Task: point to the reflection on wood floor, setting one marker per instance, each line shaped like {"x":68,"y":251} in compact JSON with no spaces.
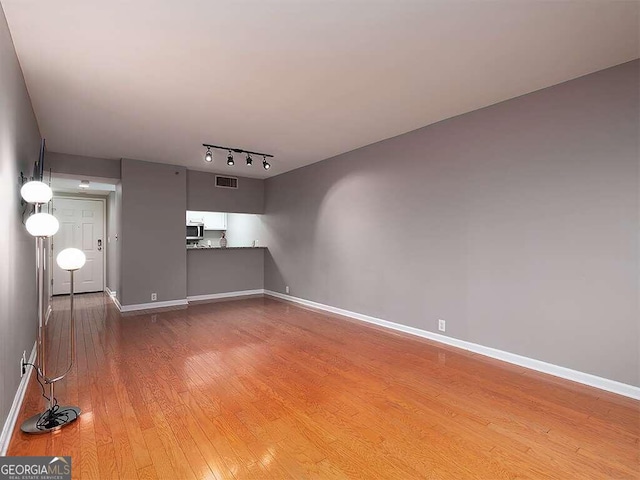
{"x":258,"y":388}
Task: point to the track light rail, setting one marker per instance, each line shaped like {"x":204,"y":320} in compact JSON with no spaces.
{"x":237,"y":150}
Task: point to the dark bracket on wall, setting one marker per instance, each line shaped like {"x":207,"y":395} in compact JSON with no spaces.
{"x":21,"y":181}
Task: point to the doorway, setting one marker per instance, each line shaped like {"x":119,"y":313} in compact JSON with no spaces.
{"x":81,"y":226}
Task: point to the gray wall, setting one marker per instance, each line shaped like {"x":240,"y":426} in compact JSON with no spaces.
{"x":220,"y":270}
{"x":152,"y":243}
{"x":517,"y":224}
{"x":202,"y":194}
{"x":147,"y":212}
{"x":117,"y":274}
{"x":113,"y":243}
{"x":79,"y":165}
{"x":19,"y":147}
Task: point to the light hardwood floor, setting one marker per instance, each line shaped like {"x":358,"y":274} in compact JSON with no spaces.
{"x":259,"y":388}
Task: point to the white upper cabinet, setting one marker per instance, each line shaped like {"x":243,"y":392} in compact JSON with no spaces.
{"x":211,"y":220}
{"x":215,"y":221}
{"x":195,"y":217}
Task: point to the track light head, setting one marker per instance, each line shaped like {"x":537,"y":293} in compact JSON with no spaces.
{"x":230,"y":161}
{"x":208,"y":157}
{"x":249,"y":160}
{"x":266,"y":165}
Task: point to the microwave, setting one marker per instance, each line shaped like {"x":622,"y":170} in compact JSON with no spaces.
{"x":195,"y":231}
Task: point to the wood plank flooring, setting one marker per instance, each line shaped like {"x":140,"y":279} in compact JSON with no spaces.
{"x":262,"y":389}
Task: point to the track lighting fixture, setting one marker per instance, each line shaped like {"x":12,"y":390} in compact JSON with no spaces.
{"x":209,"y":155}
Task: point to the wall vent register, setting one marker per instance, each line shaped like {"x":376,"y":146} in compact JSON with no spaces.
{"x":226,"y":182}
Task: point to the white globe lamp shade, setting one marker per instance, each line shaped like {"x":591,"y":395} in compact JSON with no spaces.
{"x":36,"y":192}
{"x":71,"y":259}
{"x":42,"y":225}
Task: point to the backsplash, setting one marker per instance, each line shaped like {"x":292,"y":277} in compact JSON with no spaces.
{"x":212,"y":236}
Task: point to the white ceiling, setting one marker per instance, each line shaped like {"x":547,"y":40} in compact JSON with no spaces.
{"x":303,"y":80}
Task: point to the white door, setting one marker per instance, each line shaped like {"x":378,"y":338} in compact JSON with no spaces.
{"x":81,"y":226}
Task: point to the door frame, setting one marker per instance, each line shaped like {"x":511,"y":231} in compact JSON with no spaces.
{"x":104,"y":232}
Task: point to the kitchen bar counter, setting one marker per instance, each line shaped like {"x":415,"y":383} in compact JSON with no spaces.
{"x":231,"y":270}
{"x":222,"y":248}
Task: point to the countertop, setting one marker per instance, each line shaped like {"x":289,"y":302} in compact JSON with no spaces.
{"x":221,"y":248}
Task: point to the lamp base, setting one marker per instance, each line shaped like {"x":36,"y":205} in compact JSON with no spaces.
{"x":63,"y":417}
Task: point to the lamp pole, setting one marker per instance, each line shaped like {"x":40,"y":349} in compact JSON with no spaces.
{"x":43,"y":225}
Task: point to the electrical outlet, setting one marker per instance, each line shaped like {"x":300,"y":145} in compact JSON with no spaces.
{"x":154,"y":297}
{"x":286,"y":289}
{"x":442,"y":325}
{"x":23,"y":362}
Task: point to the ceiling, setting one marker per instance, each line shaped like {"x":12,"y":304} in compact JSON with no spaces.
{"x":302,"y":80}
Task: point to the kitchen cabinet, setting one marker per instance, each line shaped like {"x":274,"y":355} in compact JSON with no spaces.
{"x":215,"y":221}
{"x":211,"y":220}
{"x":195,"y":217}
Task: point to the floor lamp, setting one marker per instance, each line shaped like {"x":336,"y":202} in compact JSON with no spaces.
{"x":41,"y":226}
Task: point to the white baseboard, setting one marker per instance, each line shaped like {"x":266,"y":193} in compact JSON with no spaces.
{"x":117,"y":303}
{"x":10,"y":422}
{"x":216,"y":296}
{"x":114,"y":298}
{"x":152,"y":305}
{"x":174,"y":303}
{"x":540,"y":366}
